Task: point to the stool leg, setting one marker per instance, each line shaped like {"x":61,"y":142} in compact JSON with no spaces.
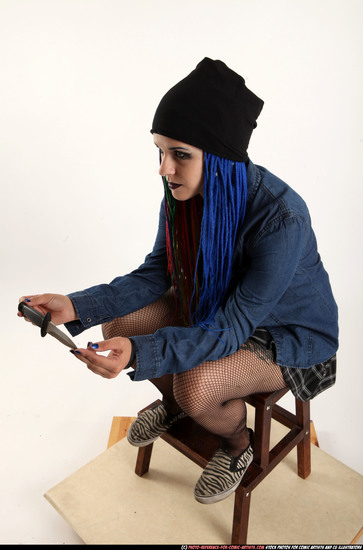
{"x":261,"y":449}
{"x":304,"y":447}
{"x":241,"y":514}
{"x":143,"y":459}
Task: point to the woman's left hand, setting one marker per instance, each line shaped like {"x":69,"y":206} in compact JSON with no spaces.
{"x":110,"y":366}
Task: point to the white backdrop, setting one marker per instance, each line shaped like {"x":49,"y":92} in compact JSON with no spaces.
{"x":79,"y":84}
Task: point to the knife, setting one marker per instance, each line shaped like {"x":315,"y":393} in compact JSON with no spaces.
{"x":45,"y":324}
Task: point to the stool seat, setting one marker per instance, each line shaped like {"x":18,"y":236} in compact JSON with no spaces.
{"x":199,"y":445}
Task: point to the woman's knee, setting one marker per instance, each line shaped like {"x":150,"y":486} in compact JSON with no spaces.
{"x":144,"y":321}
{"x":117,"y":327}
{"x":192,"y":393}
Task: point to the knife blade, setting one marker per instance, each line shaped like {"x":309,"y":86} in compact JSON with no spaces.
{"x":45,"y":324}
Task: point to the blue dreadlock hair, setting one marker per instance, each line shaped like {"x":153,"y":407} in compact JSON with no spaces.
{"x":201,"y":273}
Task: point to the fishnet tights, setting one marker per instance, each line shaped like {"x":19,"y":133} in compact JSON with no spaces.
{"x":212,"y":392}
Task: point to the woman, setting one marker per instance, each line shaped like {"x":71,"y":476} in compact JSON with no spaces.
{"x":233,"y":299}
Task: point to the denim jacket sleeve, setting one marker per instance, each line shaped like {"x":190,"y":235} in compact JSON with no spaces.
{"x":274,"y":256}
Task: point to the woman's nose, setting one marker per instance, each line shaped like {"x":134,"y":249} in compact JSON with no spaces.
{"x":166,"y":167}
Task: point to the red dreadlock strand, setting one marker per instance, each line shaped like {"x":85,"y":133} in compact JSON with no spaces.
{"x":182,"y":241}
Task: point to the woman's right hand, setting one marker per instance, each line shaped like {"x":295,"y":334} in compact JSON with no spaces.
{"x":60,"y":307}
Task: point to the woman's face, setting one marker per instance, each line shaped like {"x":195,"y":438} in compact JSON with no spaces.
{"x":182,"y":165}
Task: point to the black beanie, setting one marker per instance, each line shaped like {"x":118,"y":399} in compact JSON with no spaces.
{"x":211,"y":109}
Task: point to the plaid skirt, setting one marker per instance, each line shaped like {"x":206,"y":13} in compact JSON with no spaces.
{"x":305,"y":384}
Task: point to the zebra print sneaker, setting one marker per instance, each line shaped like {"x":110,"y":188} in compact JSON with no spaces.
{"x":223,"y":474}
{"x":151,"y":424}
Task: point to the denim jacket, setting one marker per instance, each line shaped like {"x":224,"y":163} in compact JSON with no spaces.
{"x":278,"y":282}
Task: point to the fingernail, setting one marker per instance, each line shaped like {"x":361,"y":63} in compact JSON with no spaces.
{"x":26,"y":299}
{"x":89,"y":343}
{"x":95,"y":346}
{"x":75,"y":351}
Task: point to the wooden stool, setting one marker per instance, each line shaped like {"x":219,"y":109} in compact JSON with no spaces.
{"x":199,"y":445}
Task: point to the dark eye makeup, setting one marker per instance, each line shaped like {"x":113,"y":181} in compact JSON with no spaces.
{"x":179,"y":152}
{"x":182,"y":154}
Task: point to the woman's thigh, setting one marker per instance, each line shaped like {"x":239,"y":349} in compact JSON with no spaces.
{"x":251,"y":369}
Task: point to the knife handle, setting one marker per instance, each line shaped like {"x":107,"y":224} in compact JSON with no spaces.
{"x":35,"y":317}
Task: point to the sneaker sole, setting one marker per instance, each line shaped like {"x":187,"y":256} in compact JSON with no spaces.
{"x":141,"y":443}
